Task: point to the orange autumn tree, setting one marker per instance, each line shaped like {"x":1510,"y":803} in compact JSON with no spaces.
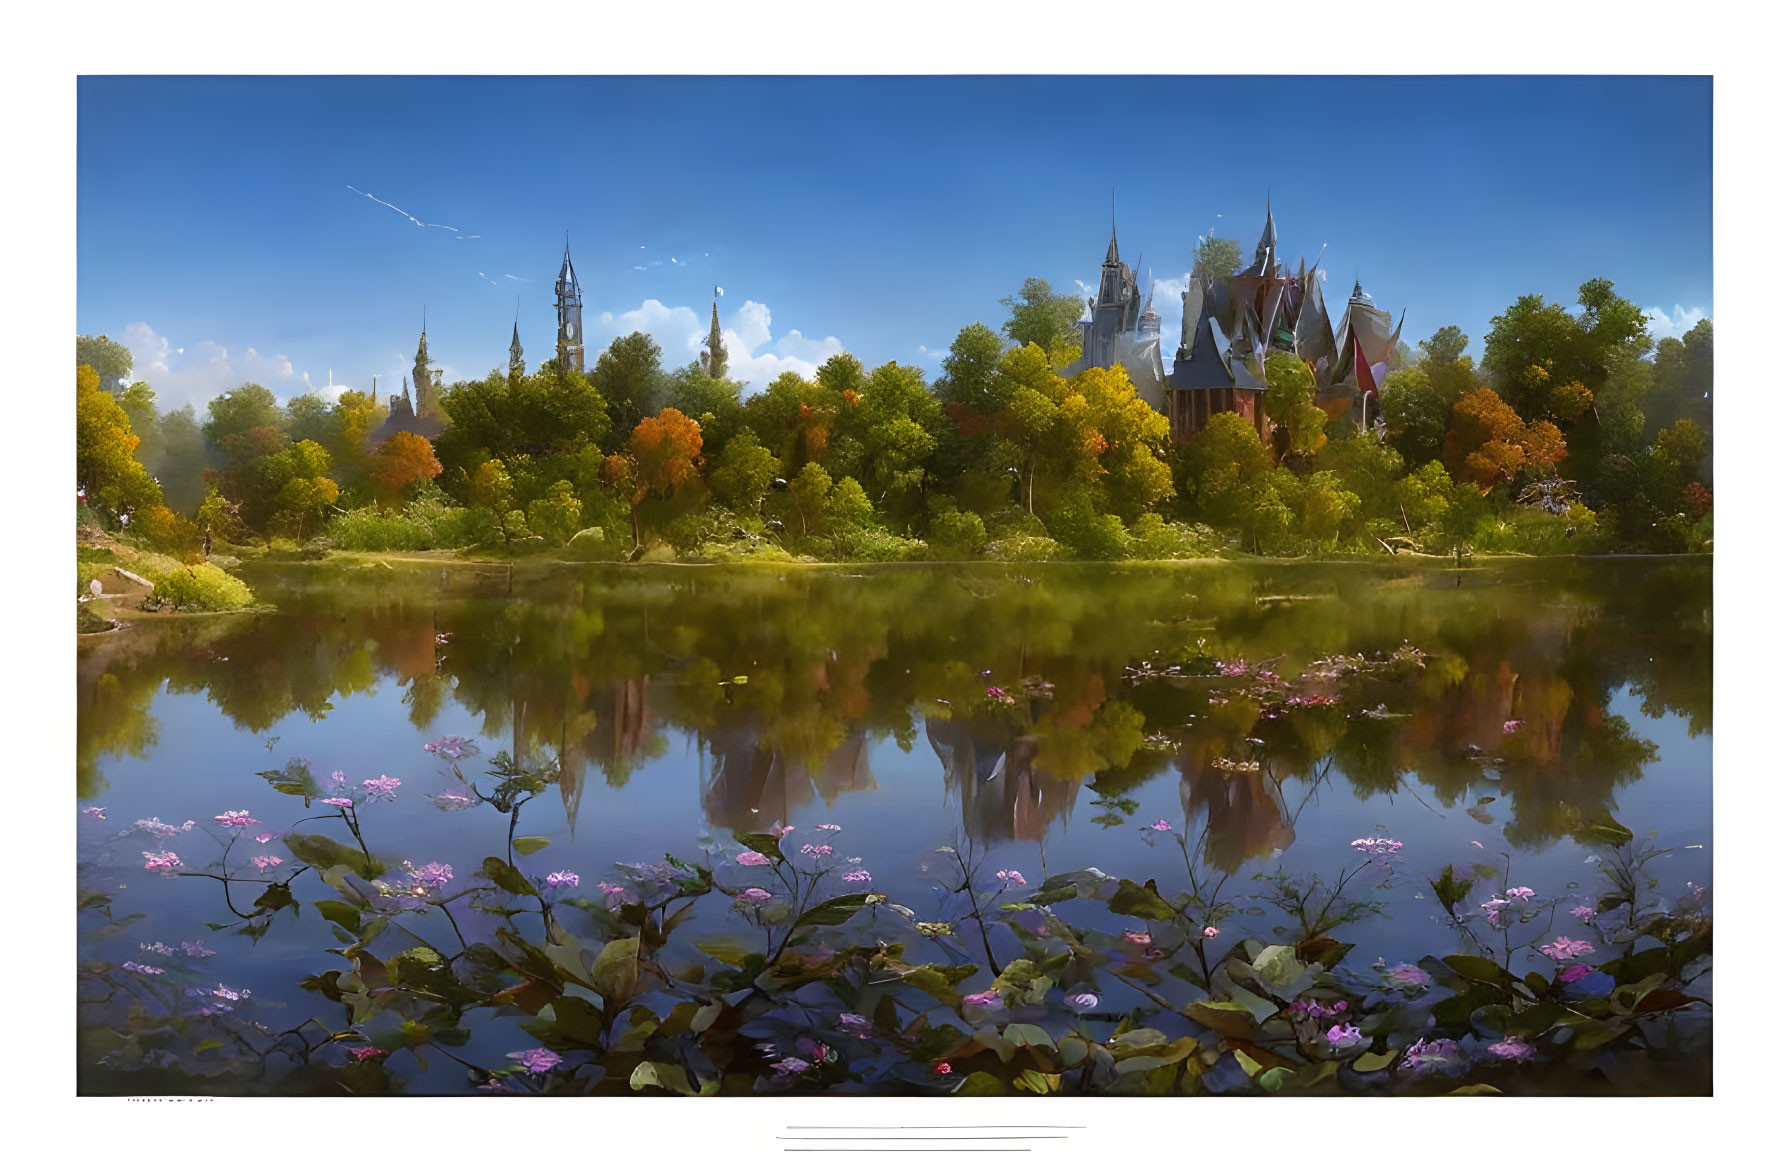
{"x":664,"y":454}
{"x":1488,"y":443}
{"x":402,"y":462}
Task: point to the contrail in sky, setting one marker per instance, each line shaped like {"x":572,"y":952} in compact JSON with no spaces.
{"x":407,"y":215}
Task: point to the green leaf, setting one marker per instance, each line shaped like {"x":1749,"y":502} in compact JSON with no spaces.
{"x":836,"y":911}
{"x":323,"y":853}
{"x":761,"y":842}
{"x":1142,"y":901}
{"x":1028,"y":1035}
{"x":505,"y":876}
{"x":980,"y":1083}
{"x":670,"y":1076}
{"x":616,"y":971}
{"x":1480,"y":969}
{"x":529,"y":844}
{"x":1373,"y":1062}
{"x":1232,"y":1019}
{"x":339,"y":913}
{"x":1038,"y":1082}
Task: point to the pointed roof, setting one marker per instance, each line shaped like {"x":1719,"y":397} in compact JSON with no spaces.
{"x":1112,"y":250}
{"x":565,"y":267}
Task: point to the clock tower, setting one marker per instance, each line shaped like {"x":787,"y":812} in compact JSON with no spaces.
{"x":570,"y":345}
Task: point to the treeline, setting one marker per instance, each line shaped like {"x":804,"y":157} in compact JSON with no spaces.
{"x":1571,"y":434}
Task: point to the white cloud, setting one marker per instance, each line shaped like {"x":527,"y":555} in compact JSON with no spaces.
{"x":751,"y":356}
{"x":179,"y":378}
{"x":1673,"y":325}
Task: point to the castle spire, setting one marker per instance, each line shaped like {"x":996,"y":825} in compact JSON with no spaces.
{"x":714,"y":356}
{"x":516,"y":367}
{"x":569,"y":346}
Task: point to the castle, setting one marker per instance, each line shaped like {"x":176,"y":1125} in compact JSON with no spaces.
{"x":1229,"y":327}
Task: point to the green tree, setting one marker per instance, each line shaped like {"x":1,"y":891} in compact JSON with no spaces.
{"x":1040,"y":316}
{"x":1223,"y":464}
{"x":628,"y":377}
{"x":1217,"y":257}
{"x":1291,"y":403}
{"x":111,"y":361}
{"x":742,"y":474}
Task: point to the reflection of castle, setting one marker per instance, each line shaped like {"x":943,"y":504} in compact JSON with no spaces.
{"x":1244,"y":817}
{"x":1003,"y":795}
{"x":752,"y":787}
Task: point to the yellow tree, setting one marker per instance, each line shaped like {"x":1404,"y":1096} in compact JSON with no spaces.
{"x":664,"y":454}
{"x":106,"y":465}
{"x":402,"y":462}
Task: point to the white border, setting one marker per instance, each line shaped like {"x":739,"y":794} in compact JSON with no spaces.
{"x":51,"y":48}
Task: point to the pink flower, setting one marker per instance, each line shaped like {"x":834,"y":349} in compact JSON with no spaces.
{"x":1083,"y":1001}
{"x":1575,"y":972}
{"x":267,"y":861}
{"x":197,"y":949}
{"x":1565,"y":948}
{"x":138,"y":967}
{"x":1343,"y":1035}
{"x":990,"y":999}
{"x":1210,"y":931}
{"x":266,"y":837}
{"x":817,"y":849}
{"x":1519,"y":893}
{"x":539,"y":1060}
{"x":562,"y":880}
{"x":996,"y":693}
{"x":941,"y":1068}
{"x":235,"y":819}
{"x":1408,"y":977}
{"x":790,"y":1065}
{"x":160,"y":861}
{"x":858,"y":877}
{"x":1512,"y":726}
{"x":381,"y":787}
{"x":829,"y":827}
{"x":155,"y":947}
{"x":343,"y":803}
{"x":366,"y":1054}
{"x":1513,"y":1048}
{"x":1136,"y":936}
{"x":614,"y":893}
{"x":1009,"y":876}
{"x":1584,"y":912}
{"x":1493,"y":907}
{"x":431,"y":875}
{"x":755,"y":896}
{"x":1162,"y":825}
{"x":751,"y":859}
{"x":95,"y":812}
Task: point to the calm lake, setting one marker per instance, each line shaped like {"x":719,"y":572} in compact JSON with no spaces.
{"x":1515,"y":720}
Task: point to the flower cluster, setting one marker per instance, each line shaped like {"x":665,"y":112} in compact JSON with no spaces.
{"x":234,"y":819}
{"x":160,"y":861}
{"x":755,"y":896}
{"x":138,"y":967}
{"x":538,"y":1060}
{"x":562,"y":879}
{"x":381,"y":787}
{"x":1435,"y":1057}
{"x":430,"y":875}
{"x":1565,"y":948}
{"x":1009,"y":876}
{"x":1314,"y":1009}
{"x":95,"y":812}
{"x":366,"y":1054}
{"x":987,"y":1000}
{"x":751,"y":859}
{"x":1513,"y":1048}
{"x":860,"y":876}
{"x":450,"y":748}
{"x":342,"y":803}
{"x":160,"y":829}
{"x":817,"y":850}
{"x":1408,"y":977}
{"x":1378,"y":845}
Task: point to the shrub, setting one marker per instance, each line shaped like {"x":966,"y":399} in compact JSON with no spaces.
{"x":369,"y":529}
{"x":1019,"y":546}
{"x":1095,"y":536}
{"x":160,"y":528}
{"x":203,"y":588}
{"x":593,"y":545}
{"x":957,"y":532}
{"x":1153,"y":538}
{"x":875,"y":544}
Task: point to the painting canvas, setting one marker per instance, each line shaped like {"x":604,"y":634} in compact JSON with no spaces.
{"x":968,"y":596}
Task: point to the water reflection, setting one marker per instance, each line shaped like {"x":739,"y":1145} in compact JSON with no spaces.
{"x":1037,"y":691}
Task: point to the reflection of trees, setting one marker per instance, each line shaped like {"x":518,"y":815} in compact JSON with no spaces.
{"x":789,"y":677}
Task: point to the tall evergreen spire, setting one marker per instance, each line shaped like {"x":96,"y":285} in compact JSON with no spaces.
{"x":714,"y":355}
{"x":516,"y":367}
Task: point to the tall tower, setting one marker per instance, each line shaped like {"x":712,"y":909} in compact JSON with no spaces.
{"x":714,"y":356}
{"x":516,"y":367}
{"x":421,"y":374}
{"x":570,"y":346}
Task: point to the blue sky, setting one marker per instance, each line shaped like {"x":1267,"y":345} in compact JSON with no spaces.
{"x":219,"y":235}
